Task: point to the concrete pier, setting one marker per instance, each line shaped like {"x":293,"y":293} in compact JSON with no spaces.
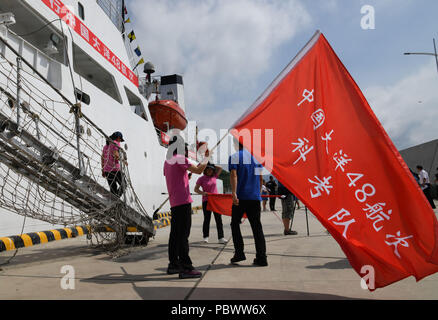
{"x":300,"y":267}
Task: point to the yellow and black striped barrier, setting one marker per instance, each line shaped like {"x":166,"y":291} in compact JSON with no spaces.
{"x":165,"y":218}
{"x":35,"y":238}
{"x":162,"y":223}
{"x":163,"y":215}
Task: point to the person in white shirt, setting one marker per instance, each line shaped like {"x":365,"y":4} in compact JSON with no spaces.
{"x":265,"y":192}
{"x":425,"y":184}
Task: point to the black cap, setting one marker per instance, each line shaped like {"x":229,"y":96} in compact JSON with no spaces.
{"x":116,"y":135}
{"x":210,"y":166}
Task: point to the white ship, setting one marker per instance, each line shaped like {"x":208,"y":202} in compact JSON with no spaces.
{"x":66,"y":83}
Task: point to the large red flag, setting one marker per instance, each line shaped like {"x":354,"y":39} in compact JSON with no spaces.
{"x":332,"y":152}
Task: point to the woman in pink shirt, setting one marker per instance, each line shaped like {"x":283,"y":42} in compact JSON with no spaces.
{"x":177,"y":180}
{"x":111,"y":164}
{"x":208,"y":184}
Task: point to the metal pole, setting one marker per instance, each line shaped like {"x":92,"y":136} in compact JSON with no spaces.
{"x":154,"y":216}
{"x":36,"y":119}
{"x":122,"y":172}
{"x":436,"y":54}
{"x":307,"y":222}
{"x":78,"y":139}
{"x":19,"y":66}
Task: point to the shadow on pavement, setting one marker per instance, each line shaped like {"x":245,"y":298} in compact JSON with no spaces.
{"x":42,"y":254}
{"x":181,"y":293}
{"x":178,"y":293}
{"x":334,"y":265}
{"x":115,"y":278}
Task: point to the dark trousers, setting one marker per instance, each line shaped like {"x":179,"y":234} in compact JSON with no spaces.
{"x":272,"y":203}
{"x":179,"y":237}
{"x":428,"y":194}
{"x":207,"y":218}
{"x":115,"y":182}
{"x":252,"y":210}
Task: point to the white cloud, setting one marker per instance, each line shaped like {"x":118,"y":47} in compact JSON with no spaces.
{"x":224,"y":47}
{"x":221,"y":47}
{"x":408,"y":109}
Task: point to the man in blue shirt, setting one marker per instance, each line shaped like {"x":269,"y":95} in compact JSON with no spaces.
{"x":246,"y":181}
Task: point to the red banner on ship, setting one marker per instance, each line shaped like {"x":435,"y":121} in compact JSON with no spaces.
{"x":332,"y":152}
{"x":81,"y":29}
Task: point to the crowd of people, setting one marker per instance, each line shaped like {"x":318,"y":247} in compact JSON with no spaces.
{"x":249,"y":193}
{"x":247,"y":186}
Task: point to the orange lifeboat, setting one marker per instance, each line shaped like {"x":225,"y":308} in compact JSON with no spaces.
{"x":167,"y":115}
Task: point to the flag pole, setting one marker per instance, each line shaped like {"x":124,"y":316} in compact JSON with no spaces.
{"x":220,"y":141}
{"x":154,"y":216}
{"x":281,"y":76}
{"x":307,"y":223}
{"x":295,"y":208}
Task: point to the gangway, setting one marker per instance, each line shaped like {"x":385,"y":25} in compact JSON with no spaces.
{"x":49,"y":167}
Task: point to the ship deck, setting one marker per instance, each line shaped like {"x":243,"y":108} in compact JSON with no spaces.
{"x":300,"y":267}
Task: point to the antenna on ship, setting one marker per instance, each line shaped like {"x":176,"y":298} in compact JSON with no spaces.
{"x":149,"y":68}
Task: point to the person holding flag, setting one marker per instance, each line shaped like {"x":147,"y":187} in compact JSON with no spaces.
{"x":246,"y":180}
{"x":177,"y":180}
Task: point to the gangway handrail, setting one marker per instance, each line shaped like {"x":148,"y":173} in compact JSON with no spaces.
{"x":139,"y":216}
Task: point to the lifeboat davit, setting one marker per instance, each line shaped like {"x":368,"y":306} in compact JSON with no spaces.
{"x":167,"y":115}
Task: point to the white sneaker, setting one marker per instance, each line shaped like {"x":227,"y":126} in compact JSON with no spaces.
{"x":206,"y":240}
{"x":223,"y":241}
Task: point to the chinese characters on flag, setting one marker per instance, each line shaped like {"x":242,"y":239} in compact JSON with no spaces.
{"x":333,"y":153}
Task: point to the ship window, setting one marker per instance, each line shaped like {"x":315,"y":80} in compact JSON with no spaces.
{"x":114,"y":10}
{"x":89,"y":69}
{"x":136,"y":104}
{"x":82,"y":96}
{"x":81,"y":11}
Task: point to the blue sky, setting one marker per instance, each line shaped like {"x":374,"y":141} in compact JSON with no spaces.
{"x":229,"y":51}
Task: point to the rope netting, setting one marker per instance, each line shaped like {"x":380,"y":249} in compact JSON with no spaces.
{"x":50,"y":160}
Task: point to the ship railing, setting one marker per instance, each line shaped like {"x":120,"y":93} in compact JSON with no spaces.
{"x":47,"y":66}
